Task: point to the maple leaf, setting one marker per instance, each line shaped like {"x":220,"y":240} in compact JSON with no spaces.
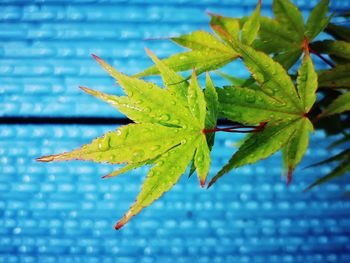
{"x":283,"y":36}
{"x":335,"y":78}
{"x":338,"y":50}
{"x":168,"y":132}
{"x":343,"y":164}
{"x":276,"y":101}
{"x":207,"y":53}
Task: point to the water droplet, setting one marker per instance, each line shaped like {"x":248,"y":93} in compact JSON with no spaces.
{"x":183,"y":141}
{"x":155,"y":147}
{"x":147,"y":109}
{"x":118,"y":132}
{"x":269,"y":91}
{"x":103,"y":144}
{"x":112,"y":158}
{"x":173,"y":102}
{"x":160,"y":163}
{"x":250,"y":98}
{"x":164,"y":117}
{"x":200,"y":158}
{"x":130,"y":93}
{"x":137,"y":156}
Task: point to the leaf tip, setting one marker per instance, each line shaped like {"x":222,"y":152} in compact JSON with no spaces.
{"x":119,"y":225}
{"x":87,"y":90}
{"x":97,"y":58}
{"x":211,"y":14}
{"x":45,"y":159}
{"x":148,"y":51}
{"x":202,"y":182}
{"x":124,"y":220}
{"x":211,"y":183}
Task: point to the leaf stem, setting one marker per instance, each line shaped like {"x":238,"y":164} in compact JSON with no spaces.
{"x":327,"y":61}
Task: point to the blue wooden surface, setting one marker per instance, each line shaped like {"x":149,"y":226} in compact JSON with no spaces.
{"x":64,"y":212}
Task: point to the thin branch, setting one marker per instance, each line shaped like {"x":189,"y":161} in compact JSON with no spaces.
{"x":327,"y":61}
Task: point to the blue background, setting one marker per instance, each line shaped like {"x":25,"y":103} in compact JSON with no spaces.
{"x":64,"y":212}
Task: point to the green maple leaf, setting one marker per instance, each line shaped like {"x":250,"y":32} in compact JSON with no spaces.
{"x":335,"y":78}
{"x":278,"y":102}
{"x":339,"y":105}
{"x":343,"y":167}
{"x":283,"y":36}
{"x":338,"y":50}
{"x":167,"y":133}
{"x":207,"y":53}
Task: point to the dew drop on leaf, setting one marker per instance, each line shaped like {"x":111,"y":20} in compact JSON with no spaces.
{"x":250,"y":98}
{"x":112,"y":158}
{"x":147,"y":109}
{"x":200,"y":158}
{"x":104,"y":143}
{"x":164,"y":117}
{"x":183,"y":141}
{"x":269,"y":91}
{"x":155,"y":147}
{"x":176,"y":121}
{"x":138,"y":155}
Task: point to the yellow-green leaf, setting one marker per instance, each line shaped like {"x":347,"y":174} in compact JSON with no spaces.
{"x":208,"y":53}
{"x":150,"y":98}
{"x":196,"y":101}
{"x":307,"y":82}
{"x":250,"y":107}
{"x":251,"y":26}
{"x":225,"y":27}
{"x":201,"y":60}
{"x":169,"y":132}
{"x":211,"y":98}
{"x":174,"y":82}
{"x":296,"y":147}
{"x":272,"y":77}
{"x":162,"y":177}
{"x":129,"y":144}
{"x":202,"y":160}
{"x":201,"y":40}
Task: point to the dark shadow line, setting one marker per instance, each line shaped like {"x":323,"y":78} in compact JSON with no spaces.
{"x":13,"y":120}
